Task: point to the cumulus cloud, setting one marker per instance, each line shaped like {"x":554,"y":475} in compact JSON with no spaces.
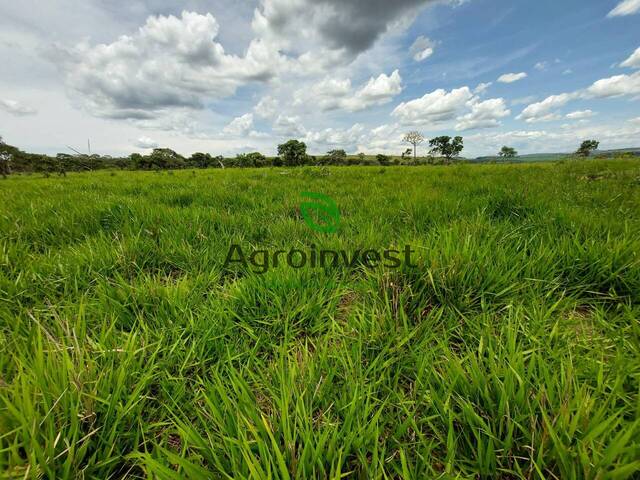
{"x":512,"y":77}
{"x":633,"y":61}
{"x":377,"y":91}
{"x":170,"y":62}
{"x":333,"y":93}
{"x":541,"y":66}
{"x":616,"y":86}
{"x":16,"y":108}
{"x":146,"y":142}
{"x":239,"y":126}
{"x":544,"y":111}
{"x":580,"y":115}
{"x":327,"y":94}
{"x":482,"y":88}
{"x":289,"y":126}
{"x":267,"y":107}
{"x":485,"y":114}
{"x":330,"y":137}
{"x":459,"y":104}
{"x":435,"y":107}
{"x":626,"y":7}
{"x":422,"y":48}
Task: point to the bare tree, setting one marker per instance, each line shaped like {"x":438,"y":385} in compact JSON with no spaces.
{"x":415,"y":139}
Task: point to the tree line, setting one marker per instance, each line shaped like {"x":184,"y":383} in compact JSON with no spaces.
{"x":442,"y":150}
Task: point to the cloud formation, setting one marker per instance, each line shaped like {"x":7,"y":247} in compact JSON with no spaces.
{"x":146,"y":142}
{"x":633,"y":61}
{"x":16,"y":108}
{"x":170,"y":62}
{"x":580,"y":115}
{"x":626,"y":7}
{"x":422,"y":48}
{"x":350,"y":27}
{"x":440,"y":106}
{"x":616,"y":86}
{"x":334,"y":93}
{"x":512,"y":77}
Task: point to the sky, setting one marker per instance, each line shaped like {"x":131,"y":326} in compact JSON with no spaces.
{"x":227,"y":77}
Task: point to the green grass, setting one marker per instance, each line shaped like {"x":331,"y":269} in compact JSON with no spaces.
{"x":511,"y":351}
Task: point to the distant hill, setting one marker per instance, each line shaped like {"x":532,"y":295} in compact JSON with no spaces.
{"x":550,"y":157}
{"x":531,"y":157}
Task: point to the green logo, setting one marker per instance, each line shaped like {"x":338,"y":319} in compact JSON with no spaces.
{"x":320,"y":213}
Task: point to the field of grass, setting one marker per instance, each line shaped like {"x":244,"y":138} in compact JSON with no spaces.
{"x":512,"y":349}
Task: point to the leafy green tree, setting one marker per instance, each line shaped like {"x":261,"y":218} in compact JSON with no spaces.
{"x":248,"y":160}
{"x":165,"y":158}
{"x":293,"y":153}
{"x":446,"y":146}
{"x":5,"y":163}
{"x":335,"y":157}
{"x":415,"y":139}
{"x":201,"y":160}
{"x":508,"y":152}
{"x":383,"y":160}
{"x":587,"y":147}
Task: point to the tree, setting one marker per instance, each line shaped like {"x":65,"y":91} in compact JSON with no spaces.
{"x":407,"y":152}
{"x":5,"y":163}
{"x":587,"y":147}
{"x":253,"y":159}
{"x":446,"y":146}
{"x":415,"y":139}
{"x":383,"y":160}
{"x":508,"y":152}
{"x":201,"y":160}
{"x":335,"y":157}
{"x":165,"y":158}
{"x":293,"y":153}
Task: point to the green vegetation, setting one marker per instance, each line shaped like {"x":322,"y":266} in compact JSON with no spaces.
{"x":508,"y":152}
{"x":511,"y":351}
{"x":587,"y":147}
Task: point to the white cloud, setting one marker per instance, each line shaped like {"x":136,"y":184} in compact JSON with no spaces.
{"x":633,"y":61}
{"x":485,"y":114}
{"x":146,"y":142}
{"x":330,"y":137}
{"x":240,"y":126}
{"x":327,"y":94}
{"x":289,"y":126}
{"x":334,"y":93}
{"x":377,"y":91}
{"x":543,"y":111}
{"x":626,"y":7}
{"x":422,"y":48}
{"x":541,"y":66}
{"x":580,"y":115}
{"x":635,"y":120}
{"x":512,"y":77}
{"x":435,"y":107}
{"x":16,"y":108}
{"x":170,"y":62}
{"x":267,"y":107}
{"x":482,"y":88}
{"x":616,"y":86}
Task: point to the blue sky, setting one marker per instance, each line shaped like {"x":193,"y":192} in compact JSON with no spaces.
{"x":226,"y":77}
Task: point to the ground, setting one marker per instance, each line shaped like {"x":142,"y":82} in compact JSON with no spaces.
{"x":508,"y":348}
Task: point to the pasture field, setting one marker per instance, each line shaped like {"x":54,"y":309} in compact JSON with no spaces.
{"x":510,"y":349}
